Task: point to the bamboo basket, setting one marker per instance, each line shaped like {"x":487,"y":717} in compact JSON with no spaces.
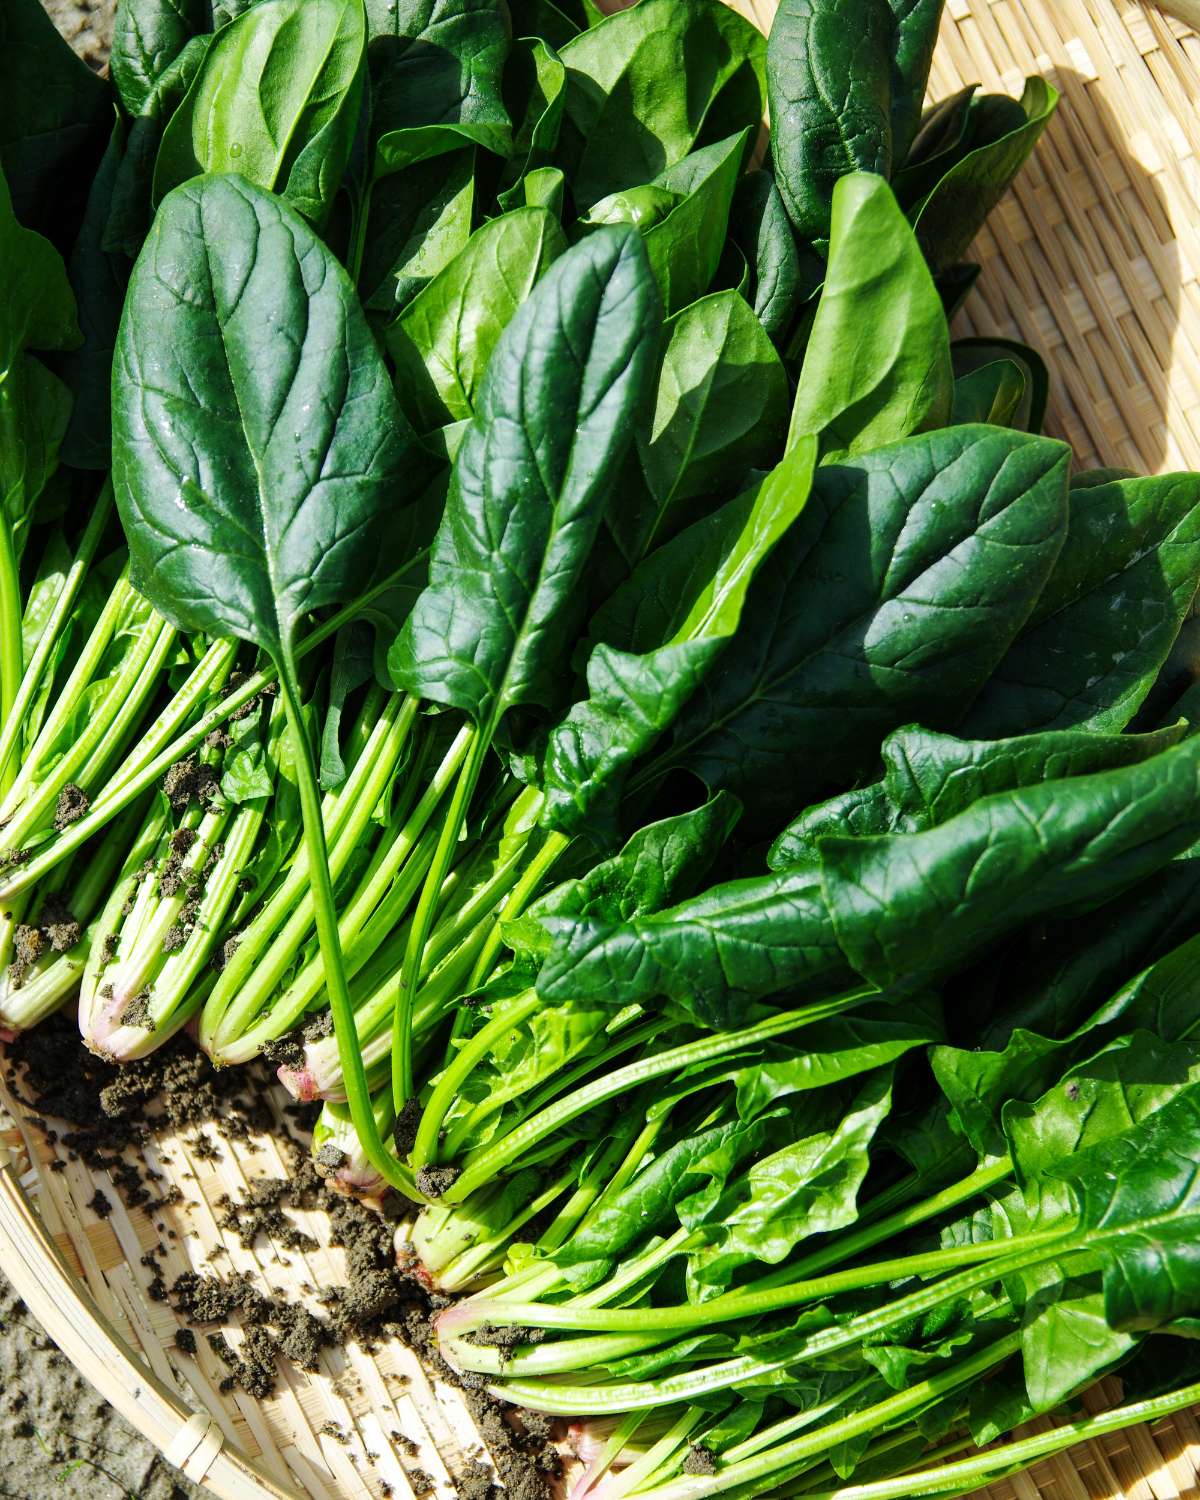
{"x":1093,"y":258}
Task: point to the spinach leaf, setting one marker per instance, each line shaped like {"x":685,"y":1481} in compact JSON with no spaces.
{"x":992,"y":393}
{"x":1112,"y":608}
{"x":435,"y":69}
{"x":829,"y":82}
{"x":877,"y":366}
{"x":667,"y":626}
{"x":971,"y":355}
{"x":1096,"y":836}
{"x":148,"y":36}
{"x":720,"y":411}
{"x":711,"y":954}
{"x":646,"y":1205}
{"x":760,"y":227}
{"x":441,"y":343}
{"x":419,"y":221}
{"x":130,"y":209}
{"x":536,"y":76}
{"x":55,"y":118}
{"x":810,"y":1186}
{"x":685,"y":245}
{"x":914,"y":33}
{"x":659,"y":864}
{"x":929,"y":778}
{"x":553,"y":24}
{"x":953,"y":211}
{"x":892,"y":598}
{"x":239,"y":330}
{"x":531,"y":481}
{"x":647,"y":86}
{"x":99,"y":280}
{"x":277,"y":100}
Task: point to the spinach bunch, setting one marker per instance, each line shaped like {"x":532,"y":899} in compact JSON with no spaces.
{"x":610,"y":697}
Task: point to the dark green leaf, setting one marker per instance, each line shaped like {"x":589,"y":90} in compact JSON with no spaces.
{"x":720,"y":411}
{"x":660,"y":864}
{"x":1095,"y":836}
{"x":954,"y":210}
{"x":929,"y":778}
{"x":759,"y":225}
{"x":55,"y":118}
{"x":256,"y":436}
{"x":659,"y":635}
{"x":892,"y":598}
{"x":436,"y":67}
{"x":711,"y":954}
{"x":531,"y":481}
{"x":148,"y":36}
{"x":536,"y":76}
{"x":970,"y":355}
{"x":1110,"y":612}
{"x":829,"y":81}
{"x":37,"y":312}
{"x":419,"y":221}
{"x":648,"y":85}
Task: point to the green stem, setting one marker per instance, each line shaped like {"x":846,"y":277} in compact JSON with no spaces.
{"x":751,"y":1302}
{"x":766,"y":1466}
{"x":358,"y":1095}
{"x":964,"y":1476}
{"x":486,"y":1162}
{"x":594,"y":1399}
{"x":14,"y":721}
{"x":126,"y":788}
{"x":11,"y":650}
{"x":410,"y":973}
{"x":424,"y":1149}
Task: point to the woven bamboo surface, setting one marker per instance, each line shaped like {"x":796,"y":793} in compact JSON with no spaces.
{"x":1093,"y":259}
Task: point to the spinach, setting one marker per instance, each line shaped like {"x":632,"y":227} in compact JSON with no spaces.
{"x":442,"y":342}
{"x":878,"y":297}
{"x":1104,"y":625}
{"x":275,"y":99}
{"x":647,"y":86}
{"x":245,"y":513}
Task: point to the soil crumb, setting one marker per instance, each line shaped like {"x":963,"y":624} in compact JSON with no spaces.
{"x":72,"y":803}
{"x":189,"y":780}
{"x":700,"y":1460}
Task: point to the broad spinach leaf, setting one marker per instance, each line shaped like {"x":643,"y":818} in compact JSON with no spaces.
{"x":1096,"y":836}
{"x":1111,"y":611}
{"x":892,"y":598}
{"x":829,"y":81}
{"x":535,"y":76}
{"x":419,"y":221}
{"x":276,"y":100}
{"x":441,"y":343}
{"x":530,"y":483}
{"x":647,"y":86}
{"x":249,"y":496}
{"x":877,"y":366}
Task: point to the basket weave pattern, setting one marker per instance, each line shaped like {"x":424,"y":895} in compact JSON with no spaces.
{"x":1092,"y":259}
